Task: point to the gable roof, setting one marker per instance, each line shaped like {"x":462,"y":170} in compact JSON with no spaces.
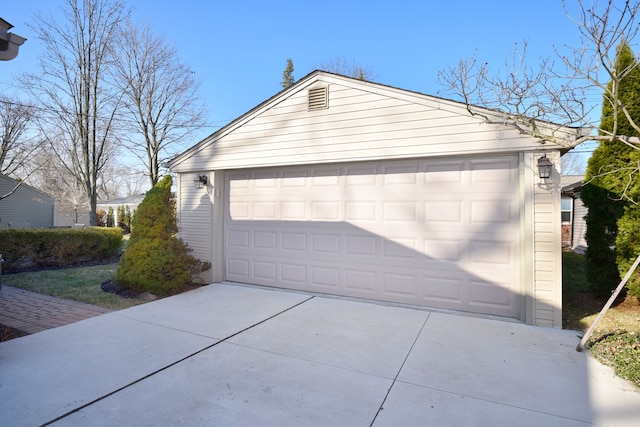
{"x":13,"y":182}
{"x":571,"y":183}
{"x":410,"y":97}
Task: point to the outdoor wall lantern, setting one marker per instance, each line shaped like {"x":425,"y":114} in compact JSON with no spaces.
{"x":200,"y":181}
{"x":544,"y":167}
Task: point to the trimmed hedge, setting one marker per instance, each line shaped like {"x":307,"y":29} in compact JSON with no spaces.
{"x":26,"y":249}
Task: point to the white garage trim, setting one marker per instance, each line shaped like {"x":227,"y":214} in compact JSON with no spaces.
{"x":437,"y":233}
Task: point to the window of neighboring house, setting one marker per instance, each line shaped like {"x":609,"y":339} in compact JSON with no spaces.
{"x":566,"y":206}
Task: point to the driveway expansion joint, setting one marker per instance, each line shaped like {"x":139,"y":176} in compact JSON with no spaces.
{"x":164,"y":368}
{"x":395,"y":379}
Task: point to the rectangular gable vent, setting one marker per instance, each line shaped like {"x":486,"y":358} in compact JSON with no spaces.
{"x":318,"y":98}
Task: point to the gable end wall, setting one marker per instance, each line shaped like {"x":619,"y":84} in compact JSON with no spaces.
{"x":360,"y":124}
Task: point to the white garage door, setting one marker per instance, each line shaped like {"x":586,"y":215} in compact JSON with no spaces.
{"x":437,"y":233}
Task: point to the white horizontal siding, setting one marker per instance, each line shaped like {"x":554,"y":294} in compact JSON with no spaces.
{"x":358,"y":125}
{"x":547,"y":263}
{"x":195,"y":211}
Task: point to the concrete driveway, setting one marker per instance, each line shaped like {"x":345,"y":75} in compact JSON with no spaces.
{"x":233,"y":355}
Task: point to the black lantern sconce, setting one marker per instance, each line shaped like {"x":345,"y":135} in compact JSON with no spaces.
{"x":544,"y":167}
{"x":200,"y":181}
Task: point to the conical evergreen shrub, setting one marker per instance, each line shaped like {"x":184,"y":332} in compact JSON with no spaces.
{"x":612,"y":218}
{"x":155,"y":260}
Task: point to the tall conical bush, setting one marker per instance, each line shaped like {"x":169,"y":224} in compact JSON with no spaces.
{"x":155,"y":260}
{"x":609,"y":188}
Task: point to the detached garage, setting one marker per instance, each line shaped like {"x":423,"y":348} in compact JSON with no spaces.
{"x":352,"y":188}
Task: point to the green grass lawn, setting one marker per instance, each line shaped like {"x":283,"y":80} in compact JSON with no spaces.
{"x":77,"y":283}
{"x":616,"y":340}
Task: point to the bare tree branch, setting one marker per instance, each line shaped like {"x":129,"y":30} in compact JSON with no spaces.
{"x":13,"y":190}
{"x":18,"y":141}
{"x":160,"y":95}
{"x":73,"y":89}
{"x":341,"y":66}
{"x":556,"y":92}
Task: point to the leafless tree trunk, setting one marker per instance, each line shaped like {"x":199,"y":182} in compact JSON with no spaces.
{"x":160,"y":95}
{"x":535,"y":97}
{"x":73,"y":89}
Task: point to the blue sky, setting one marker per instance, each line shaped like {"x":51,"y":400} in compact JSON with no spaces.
{"x":239,"y":48}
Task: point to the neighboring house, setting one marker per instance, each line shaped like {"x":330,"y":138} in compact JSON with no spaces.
{"x":26,"y":207}
{"x":341,"y":186}
{"x":574,"y":225}
{"x":29,"y":207}
{"x":129,"y":201}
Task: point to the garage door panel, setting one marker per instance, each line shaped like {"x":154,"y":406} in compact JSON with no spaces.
{"x":360,"y":280}
{"x":293,"y":274}
{"x":293,"y":242}
{"x":491,"y":212}
{"x":402,"y":211}
{"x":293,"y":211}
{"x":493,"y":170}
{"x":445,"y":249}
{"x":400,"y":248}
{"x":325,"y":278}
{"x":486,"y":297}
{"x":361,"y":211}
{"x":366,"y":246}
{"x":448,"y":174}
{"x":238,"y":180}
{"x":265,"y":270}
{"x":238,"y":269}
{"x":443,"y":211}
{"x":238,"y":238}
{"x":294,"y":177}
{"x":444,"y":290}
{"x":265,"y":240}
{"x":325,"y":176}
{"x":264,"y":210}
{"x":325,"y":211}
{"x":399,"y":286}
{"x":400,"y":174}
{"x":266,"y":178}
{"x":491,"y":253}
{"x":239,"y":210}
{"x":361,"y":176}
{"x":434,"y":233}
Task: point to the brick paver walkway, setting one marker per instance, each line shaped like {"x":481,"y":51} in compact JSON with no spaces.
{"x":30,"y":312}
